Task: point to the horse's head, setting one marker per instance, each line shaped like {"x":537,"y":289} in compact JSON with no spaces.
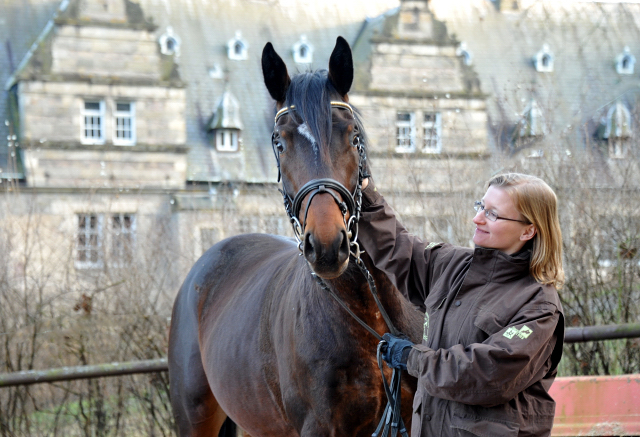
{"x":317,"y":143}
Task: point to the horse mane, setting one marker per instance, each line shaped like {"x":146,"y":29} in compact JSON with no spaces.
{"x":305,"y":91}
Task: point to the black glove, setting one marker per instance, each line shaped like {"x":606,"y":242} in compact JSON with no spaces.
{"x":397,"y":351}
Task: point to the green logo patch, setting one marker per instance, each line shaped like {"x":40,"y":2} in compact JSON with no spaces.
{"x":523,"y":332}
{"x":425,"y":333}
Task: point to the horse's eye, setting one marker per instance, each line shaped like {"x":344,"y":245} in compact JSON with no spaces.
{"x":356,"y":140}
{"x":279,"y":146}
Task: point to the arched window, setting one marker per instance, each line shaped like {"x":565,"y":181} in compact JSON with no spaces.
{"x":237,"y":48}
{"x":543,"y":60}
{"x":625,"y":62}
{"x":302,"y":51}
{"x":169,"y":43}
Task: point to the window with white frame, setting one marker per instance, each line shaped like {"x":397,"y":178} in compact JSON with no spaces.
{"x":93,"y":122}
{"x":237,"y":48}
{"x":302,"y":51}
{"x":405,"y":132}
{"x":625,"y":62}
{"x":169,"y":43}
{"x":432,"y":126}
{"x":227,"y":140}
{"x":544,"y":59}
{"x":124,"y":122}
{"x":123,"y":234}
{"x":89,"y":241}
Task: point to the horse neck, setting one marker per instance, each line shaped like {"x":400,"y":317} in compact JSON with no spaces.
{"x":353,"y":288}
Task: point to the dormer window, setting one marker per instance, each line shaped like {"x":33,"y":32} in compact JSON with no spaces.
{"x":543,"y":60}
{"x":532,"y":122}
{"x":463,"y":53}
{"x":302,"y":51}
{"x":226,"y":140}
{"x":169,"y":43}
{"x":625,"y":62}
{"x":216,"y":72}
{"x":225,"y":125}
{"x":237,"y":48}
{"x":617,"y":129}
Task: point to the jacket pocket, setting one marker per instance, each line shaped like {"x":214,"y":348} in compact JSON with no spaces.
{"x":488,"y":322}
{"x":469,"y":424}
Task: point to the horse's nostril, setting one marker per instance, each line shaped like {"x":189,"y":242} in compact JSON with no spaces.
{"x":344,"y":246}
{"x":309,"y":249}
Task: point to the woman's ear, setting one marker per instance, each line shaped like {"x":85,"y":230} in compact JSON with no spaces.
{"x":528,"y":233}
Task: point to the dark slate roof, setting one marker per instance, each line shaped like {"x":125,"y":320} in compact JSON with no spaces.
{"x":205,"y":26}
{"x":584,"y":37}
{"x":21,"y":22}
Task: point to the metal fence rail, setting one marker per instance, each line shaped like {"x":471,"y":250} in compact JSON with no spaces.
{"x":82,"y":372}
{"x":572,"y":335}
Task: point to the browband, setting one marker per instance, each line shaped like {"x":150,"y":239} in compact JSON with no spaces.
{"x":286,"y":109}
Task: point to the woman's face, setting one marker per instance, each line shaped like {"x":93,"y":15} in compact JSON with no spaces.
{"x":504,"y":235}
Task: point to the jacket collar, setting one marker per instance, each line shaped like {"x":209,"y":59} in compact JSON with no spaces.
{"x":496,"y":266}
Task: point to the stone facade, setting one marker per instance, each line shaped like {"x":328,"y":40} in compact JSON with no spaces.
{"x":55,"y":153}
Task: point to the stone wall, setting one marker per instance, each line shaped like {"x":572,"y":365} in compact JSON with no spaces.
{"x":107,"y":52}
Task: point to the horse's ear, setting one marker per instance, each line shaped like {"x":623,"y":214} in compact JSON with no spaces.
{"x":341,"y":67}
{"x":275,"y":74}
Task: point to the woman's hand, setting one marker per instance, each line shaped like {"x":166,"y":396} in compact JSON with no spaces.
{"x":365,"y":183}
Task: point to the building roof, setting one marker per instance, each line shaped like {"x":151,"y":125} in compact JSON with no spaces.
{"x":21,"y":22}
{"x":584,"y":38}
{"x":205,"y":27}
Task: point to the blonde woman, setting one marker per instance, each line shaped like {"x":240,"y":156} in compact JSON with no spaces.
{"x":493,"y":326}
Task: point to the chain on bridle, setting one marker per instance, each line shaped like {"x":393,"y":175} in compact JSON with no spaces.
{"x":349,"y":203}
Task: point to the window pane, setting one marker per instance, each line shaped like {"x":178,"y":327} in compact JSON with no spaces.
{"x":123,"y":107}
{"x":404,"y":116}
{"x":94,"y":106}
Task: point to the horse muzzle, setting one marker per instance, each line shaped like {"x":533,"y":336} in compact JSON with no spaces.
{"x":325,"y":243}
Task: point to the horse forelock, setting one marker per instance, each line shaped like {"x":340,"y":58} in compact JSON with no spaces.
{"x":311,"y":93}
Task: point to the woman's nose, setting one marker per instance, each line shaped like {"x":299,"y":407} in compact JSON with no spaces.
{"x":479,"y":217}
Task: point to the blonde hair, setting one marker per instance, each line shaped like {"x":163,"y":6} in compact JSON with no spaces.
{"x":538,"y":204}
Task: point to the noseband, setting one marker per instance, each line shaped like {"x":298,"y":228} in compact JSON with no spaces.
{"x":349,"y":203}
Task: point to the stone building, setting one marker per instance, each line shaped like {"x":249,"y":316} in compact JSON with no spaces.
{"x":126,"y":117}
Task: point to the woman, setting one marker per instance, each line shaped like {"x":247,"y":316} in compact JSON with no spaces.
{"x":493,"y":326}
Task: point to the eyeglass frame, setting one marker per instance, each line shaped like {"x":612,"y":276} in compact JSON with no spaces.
{"x":479,"y":206}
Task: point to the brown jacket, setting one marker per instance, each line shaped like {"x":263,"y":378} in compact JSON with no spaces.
{"x":492,"y":335}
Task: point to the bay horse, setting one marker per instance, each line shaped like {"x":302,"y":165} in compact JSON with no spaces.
{"x":255,"y":333}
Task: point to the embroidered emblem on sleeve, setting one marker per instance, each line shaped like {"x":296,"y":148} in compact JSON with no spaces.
{"x":425,"y":333}
{"x":523,"y":332}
